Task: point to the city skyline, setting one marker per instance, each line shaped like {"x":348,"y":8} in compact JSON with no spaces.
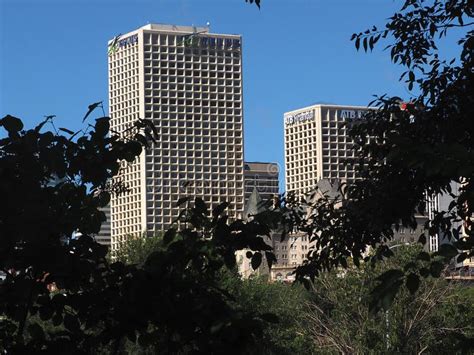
{"x":280,"y":74}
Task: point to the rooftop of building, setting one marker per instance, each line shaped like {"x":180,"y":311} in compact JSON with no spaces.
{"x":261,"y":166}
{"x":327,"y":105}
{"x":177,"y":29}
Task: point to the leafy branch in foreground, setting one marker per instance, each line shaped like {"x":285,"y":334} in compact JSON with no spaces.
{"x":404,"y":154}
{"x":61,"y":294}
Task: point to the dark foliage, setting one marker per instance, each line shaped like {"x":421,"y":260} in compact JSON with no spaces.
{"x":257,"y":2}
{"x":405,"y":153}
{"x":61,"y":295}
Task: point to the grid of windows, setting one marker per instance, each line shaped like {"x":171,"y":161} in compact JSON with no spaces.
{"x":336,"y":147}
{"x":301,"y":156}
{"x":103,"y":237}
{"x":263,"y":177}
{"x":317,"y":148}
{"x":192,"y":90}
{"x":124,"y":110}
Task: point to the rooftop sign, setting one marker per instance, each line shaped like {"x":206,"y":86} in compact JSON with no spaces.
{"x":299,"y":117}
{"x":117,"y":43}
{"x":193,"y":40}
{"x":350,"y":114}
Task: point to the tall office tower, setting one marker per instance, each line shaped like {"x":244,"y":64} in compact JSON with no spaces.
{"x":189,"y":82}
{"x":316,"y":145}
{"x":262,"y":176}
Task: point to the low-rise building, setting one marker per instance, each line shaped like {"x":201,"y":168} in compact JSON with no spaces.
{"x":104,"y":235}
{"x":263,"y":177}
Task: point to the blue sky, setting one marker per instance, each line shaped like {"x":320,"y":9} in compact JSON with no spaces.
{"x":53,"y":56}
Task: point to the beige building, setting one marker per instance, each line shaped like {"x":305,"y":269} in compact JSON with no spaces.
{"x":289,"y":252}
{"x":316,"y":145}
{"x":189,"y":82}
{"x":103,"y":237}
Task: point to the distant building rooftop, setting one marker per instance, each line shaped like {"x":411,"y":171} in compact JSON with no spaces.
{"x":175,"y":28}
{"x":260,"y":166}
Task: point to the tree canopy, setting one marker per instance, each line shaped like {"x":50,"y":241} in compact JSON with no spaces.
{"x":61,"y":293}
{"x":407,"y":149}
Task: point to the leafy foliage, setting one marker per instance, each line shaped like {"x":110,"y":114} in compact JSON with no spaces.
{"x":257,"y":2}
{"x":136,"y":249}
{"x":438,"y":319}
{"x":404,"y":153}
{"x":61,"y":294}
{"x":279,"y":309}
{"x":283,"y":306}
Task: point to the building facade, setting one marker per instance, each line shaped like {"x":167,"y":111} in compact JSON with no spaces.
{"x":404,"y":235}
{"x":262,"y":176}
{"x":317,"y":145}
{"x":188,"y":81}
{"x":104,"y":235}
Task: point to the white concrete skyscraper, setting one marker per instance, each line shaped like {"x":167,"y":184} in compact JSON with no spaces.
{"x":189,"y":82}
{"x":317,"y":144}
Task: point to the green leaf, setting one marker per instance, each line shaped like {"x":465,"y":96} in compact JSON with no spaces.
{"x":66,"y":130}
{"x":389,"y":295}
{"x":182,"y":200}
{"x":271,"y":258}
{"x":11,"y":124}
{"x":92,"y":108}
{"x":256,"y":260}
{"x":422,"y":239}
{"x":102,"y":126}
{"x":104,"y":198}
{"x":219,"y":209}
{"x":413,"y":283}
{"x":46,"y":120}
{"x":436,"y":268}
{"x":200,"y":206}
{"x":447,"y":251}
{"x":257,"y":2}
{"x":424,"y":272}
{"x":461,"y":257}
{"x":169,"y":235}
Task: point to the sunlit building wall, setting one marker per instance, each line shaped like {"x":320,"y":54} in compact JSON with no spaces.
{"x":188,"y":81}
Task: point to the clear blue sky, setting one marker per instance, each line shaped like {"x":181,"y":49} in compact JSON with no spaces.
{"x":53,"y":56}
